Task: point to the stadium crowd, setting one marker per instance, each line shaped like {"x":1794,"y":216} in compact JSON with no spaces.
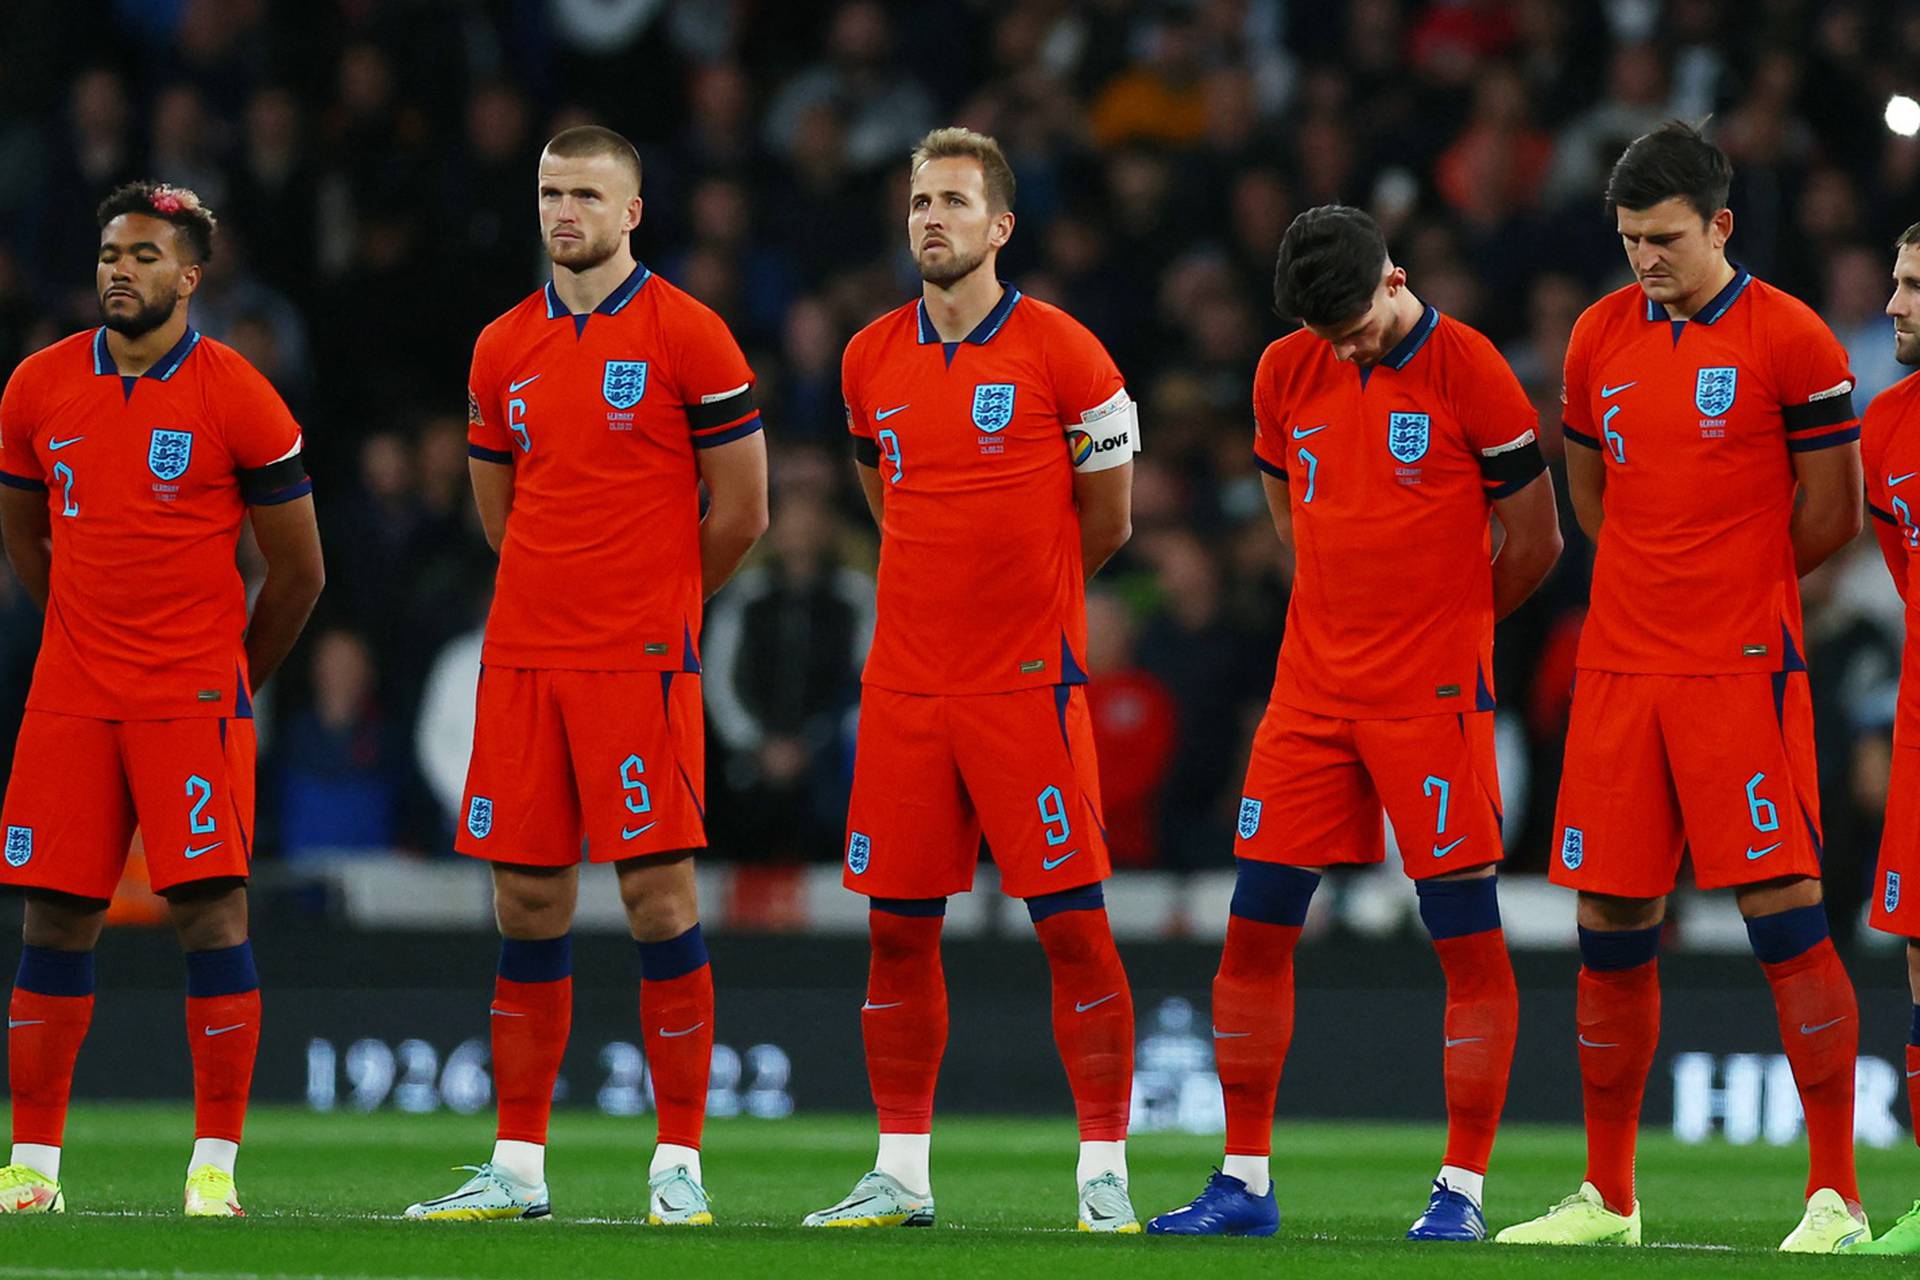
{"x":372,"y":166}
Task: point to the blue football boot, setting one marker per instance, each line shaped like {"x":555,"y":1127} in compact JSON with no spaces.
{"x":1449,"y":1216}
{"x":1225,"y":1208}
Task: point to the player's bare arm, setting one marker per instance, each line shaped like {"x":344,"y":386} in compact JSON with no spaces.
{"x":27,"y":529}
{"x":289,"y":540}
{"x":493,"y":495}
{"x":1280,"y":504}
{"x":1828,"y":513}
{"x":1586,"y":482}
{"x":1532,"y":544}
{"x":1105,"y":501}
{"x":874,"y":487}
{"x":736,"y":477}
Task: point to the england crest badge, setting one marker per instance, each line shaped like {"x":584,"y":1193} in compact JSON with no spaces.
{"x":1249,"y":817}
{"x":1408,"y":435}
{"x":992,"y":406}
{"x":480,"y":818}
{"x":169,"y":452}
{"x":19,"y":846}
{"x":859,"y":853}
{"x":1713,"y":390}
{"x":1893,"y":891}
{"x":624,"y":383}
{"x":1573,"y":848}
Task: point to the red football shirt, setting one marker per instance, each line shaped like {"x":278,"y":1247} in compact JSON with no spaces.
{"x":981,"y":586}
{"x":1697,"y":422}
{"x":147,"y":480}
{"x":1391,"y":474}
{"x":599,"y":416}
{"x":1890,"y":452}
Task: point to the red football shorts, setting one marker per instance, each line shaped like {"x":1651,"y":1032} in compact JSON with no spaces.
{"x":614,"y":758}
{"x":80,"y":786}
{"x":1316,"y":787}
{"x":932,"y":773}
{"x":1896,"y":888}
{"x":1660,"y":766}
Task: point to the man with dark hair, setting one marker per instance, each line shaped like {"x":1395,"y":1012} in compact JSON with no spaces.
{"x":596,"y":410}
{"x":1387,"y":435}
{"x":994,"y":441}
{"x":1712,"y":457}
{"x":1890,"y":451}
{"x":130,"y":455}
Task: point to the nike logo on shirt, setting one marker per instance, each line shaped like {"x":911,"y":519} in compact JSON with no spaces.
{"x":1094,"y":1004}
{"x":193,"y":853}
{"x":628,"y":834}
{"x":54,"y":446}
{"x":1753,"y":853}
{"x":25,"y":1022}
{"x":505,"y":1013}
{"x":1218,"y":1034}
{"x":884,"y":414}
{"x":220,"y":1031}
{"x":1048,"y":864}
{"x":1596,"y":1044}
{"x":1608,"y":393}
{"x":1893,"y":480}
{"x":1442,"y":850}
{"x":891,"y":1004}
{"x":675,"y":1035}
{"x":1806,"y":1030}
{"x":1464,"y":1040}
{"x":524,"y":382}
{"x":1301,"y":433}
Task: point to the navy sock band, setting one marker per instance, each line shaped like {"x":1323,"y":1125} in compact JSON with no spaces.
{"x":541,"y":960}
{"x":224,"y":971}
{"x":1913,"y":1033}
{"x":1085,"y":898}
{"x":674,"y":958}
{"x":1272,"y":894}
{"x":1456,"y":908}
{"x":1608,"y":950}
{"x":1786,"y":934}
{"x":909,"y":906}
{"x":47,"y":972}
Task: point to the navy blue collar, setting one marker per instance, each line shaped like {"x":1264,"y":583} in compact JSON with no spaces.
{"x":982,"y":332}
{"x":1409,"y":347}
{"x":610,"y":305}
{"x":163,"y":368}
{"x":1716,"y":307}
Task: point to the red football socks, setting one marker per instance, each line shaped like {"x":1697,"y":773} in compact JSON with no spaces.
{"x":904,"y":1020}
{"x":1092,"y":1018}
{"x":224,"y":1032}
{"x":676,"y":1017}
{"x":1820,"y":1028}
{"x":1253,"y":1027}
{"x":531,"y":1021}
{"x":1482,"y":1023}
{"x":43,"y":1041}
{"x":1618,"y":1015}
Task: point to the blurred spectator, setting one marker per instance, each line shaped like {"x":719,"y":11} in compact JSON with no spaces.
{"x":781,"y":656}
{"x":1134,"y":723}
{"x":341,"y":771}
{"x":885,"y":110}
{"x":1160,"y":99}
{"x":1857,"y":288}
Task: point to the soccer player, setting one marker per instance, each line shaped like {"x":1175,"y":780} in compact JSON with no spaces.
{"x":1890,"y":452}
{"x":597,"y":408}
{"x":994,"y":440}
{"x":130,"y":455}
{"x":1712,"y":456}
{"x":1386,"y":433}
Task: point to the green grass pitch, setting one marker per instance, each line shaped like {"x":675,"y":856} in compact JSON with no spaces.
{"x":322,"y":1192}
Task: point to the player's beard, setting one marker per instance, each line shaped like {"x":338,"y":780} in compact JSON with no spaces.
{"x":957,"y":267}
{"x":1906,"y":348}
{"x":155,"y":310}
{"x":583,"y":254}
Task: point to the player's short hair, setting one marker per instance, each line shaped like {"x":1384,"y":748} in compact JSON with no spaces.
{"x":956,"y":142}
{"x":1911,"y":236}
{"x":1329,"y":265}
{"x":192,"y":221}
{"x":586,"y":140}
{"x":1674,"y":160}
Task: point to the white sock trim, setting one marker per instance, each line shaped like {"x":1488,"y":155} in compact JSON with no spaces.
{"x":217,"y":1152}
{"x":521,"y":1161}
{"x":1468,"y":1183}
{"x":1097,"y":1158}
{"x":906,"y":1157}
{"x":1251,"y":1170}
{"x":42,"y":1159}
{"x":667,"y":1154}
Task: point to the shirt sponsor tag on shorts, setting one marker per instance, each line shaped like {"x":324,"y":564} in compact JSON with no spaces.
{"x":1447,"y":691}
{"x":656,"y":648}
{"x":1038,"y":664}
{"x":1753,"y":651}
{"x":208,"y":695}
